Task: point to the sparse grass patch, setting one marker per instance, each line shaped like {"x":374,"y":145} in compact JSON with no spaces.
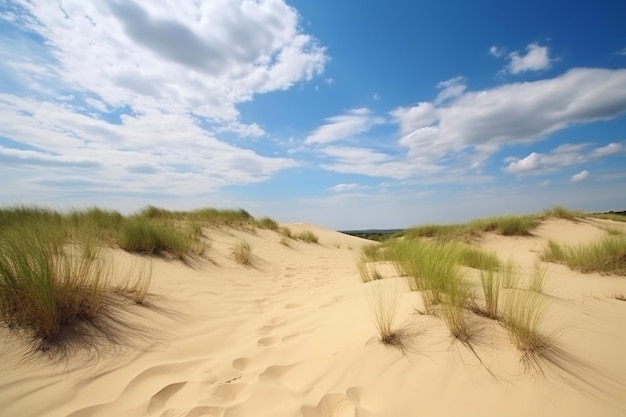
{"x":606,"y":257}
{"x":538,"y":277}
{"x":506,"y":225}
{"x":523,"y":316}
{"x":491,"y":283}
{"x":286,"y":232}
{"x":308,"y":236}
{"x":384,"y":300}
{"x":368,"y":272}
{"x":561,"y":212}
{"x":510,"y":275}
{"x":371,"y":252}
{"x":242,"y":252}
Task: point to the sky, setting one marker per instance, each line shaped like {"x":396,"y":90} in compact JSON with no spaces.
{"x":349,"y":115}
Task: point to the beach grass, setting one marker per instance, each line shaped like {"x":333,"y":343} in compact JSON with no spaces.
{"x":242,"y":253}
{"x":607,"y":256}
{"x":491,"y":284}
{"x":609,"y":216}
{"x":308,"y":236}
{"x":384,"y":303}
{"x":477,"y":258}
{"x":267,"y":223}
{"x":561,"y":212}
{"x":538,"y":277}
{"x":158,"y":238}
{"x":47,"y":283}
{"x":522,"y":317}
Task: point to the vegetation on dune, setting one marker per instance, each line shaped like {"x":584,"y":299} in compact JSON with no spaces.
{"x":523,"y":316}
{"x":384,"y":303}
{"x":47,"y":283}
{"x":267,"y":223}
{"x":242,"y":253}
{"x":606,"y":257}
{"x":308,"y":236}
{"x":615,"y":216}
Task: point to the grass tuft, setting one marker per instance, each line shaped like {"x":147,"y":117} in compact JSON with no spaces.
{"x":384,"y":302}
{"x":267,"y":223}
{"x":606,"y":257}
{"x":523,"y":316}
{"x":152,"y":237}
{"x":491,"y":283}
{"x":242,"y":252}
{"x":308,"y":236}
{"x":538,"y":277}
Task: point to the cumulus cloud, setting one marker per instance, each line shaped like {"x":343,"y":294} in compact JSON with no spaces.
{"x":536,"y":58}
{"x":496,"y":51}
{"x":563,"y":156}
{"x":345,"y":126}
{"x":452,"y":88}
{"x":581,"y":176}
{"x":510,"y":114}
{"x":177,"y":55}
{"x":127,"y":88}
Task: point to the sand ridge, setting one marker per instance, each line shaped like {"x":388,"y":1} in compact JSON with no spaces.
{"x":291,"y":334}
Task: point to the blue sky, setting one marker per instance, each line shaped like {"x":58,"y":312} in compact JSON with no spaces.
{"x":351,"y":115}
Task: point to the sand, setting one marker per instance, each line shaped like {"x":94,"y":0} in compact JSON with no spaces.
{"x":292,"y":334}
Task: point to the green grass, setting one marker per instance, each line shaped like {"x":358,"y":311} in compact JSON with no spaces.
{"x":242,"y":253}
{"x":538,"y":277}
{"x":510,"y":275}
{"x":371,"y":253}
{"x":368,"y":272}
{"x":491,"y":283}
{"x":523,"y":317}
{"x":477,"y":258}
{"x":153,"y":237}
{"x":286,"y":232}
{"x":561,"y":212}
{"x":384,"y":302}
{"x":308,"y":236}
{"x":46,"y":285}
{"x":267,"y":223}
{"x":606,"y":257}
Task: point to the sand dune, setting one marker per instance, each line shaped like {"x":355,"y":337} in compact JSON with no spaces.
{"x":292,"y":334}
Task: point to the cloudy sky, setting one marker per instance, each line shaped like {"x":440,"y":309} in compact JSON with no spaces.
{"x":351,"y":115}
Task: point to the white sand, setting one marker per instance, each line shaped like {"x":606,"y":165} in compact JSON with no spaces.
{"x":292,"y":335}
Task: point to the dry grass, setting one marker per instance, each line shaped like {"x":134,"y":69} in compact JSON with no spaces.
{"x":308,"y":236}
{"x":242,"y":253}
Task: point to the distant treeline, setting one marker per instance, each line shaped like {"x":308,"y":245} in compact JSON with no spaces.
{"x":375,"y":234}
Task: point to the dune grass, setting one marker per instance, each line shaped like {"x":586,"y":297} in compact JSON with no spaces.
{"x":477,"y":258}
{"x":538,"y":277}
{"x":308,"y":236}
{"x":523,"y":316}
{"x":153,"y":237}
{"x":384,"y":303}
{"x":286,"y":232}
{"x":491,"y":283}
{"x":242,"y":253}
{"x":267,"y":223}
{"x":561,"y":212}
{"x":509,"y":273}
{"x":368,"y":272}
{"x":47,"y":284}
{"x":606,"y":257}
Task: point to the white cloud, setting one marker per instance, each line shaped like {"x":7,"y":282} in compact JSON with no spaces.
{"x":496,"y":51}
{"x":177,"y":55}
{"x":345,"y":126}
{"x":563,"y":156}
{"x":536,"y":58}
{"x":510,"y":114}
{"x":452,"y":88}
{"x":622,"y":52}
{"x":581,"y":176}
{"x":342,"y":188}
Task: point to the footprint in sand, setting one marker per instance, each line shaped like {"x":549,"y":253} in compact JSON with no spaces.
{"x":268,"y":341}
{"x":241,"y":364}
{"x":228,"y":394}
{"x":159,"y":400}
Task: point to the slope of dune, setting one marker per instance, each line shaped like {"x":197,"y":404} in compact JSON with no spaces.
{"x":291,"y":334}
